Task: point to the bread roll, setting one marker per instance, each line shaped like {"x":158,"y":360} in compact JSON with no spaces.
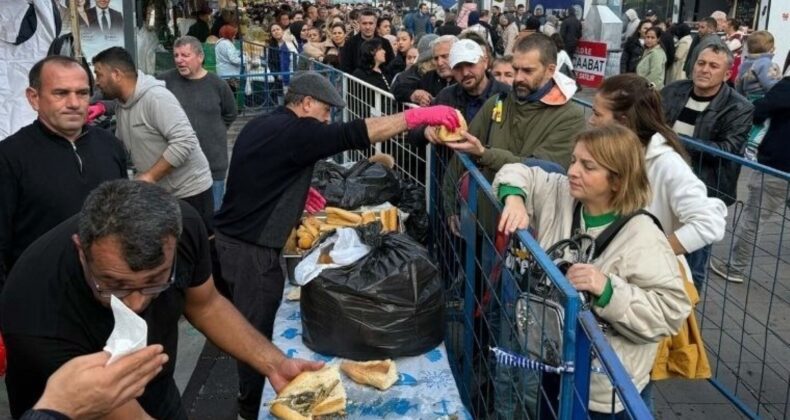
{"x":380,"y":374}
{"x":446,"y":135}
{"x":335,"y":402}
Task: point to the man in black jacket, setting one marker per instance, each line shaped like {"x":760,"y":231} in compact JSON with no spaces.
{"x":442,"y":76}
{"x":571,"y":32}
{"x":713,"y":113}
{"x":474,"y":85}
{"x":48,"y":167}
{"x":351,"y":56}
{"x":767,"y":194}
{"x":268,"y":182}
{"x":449,"y":27}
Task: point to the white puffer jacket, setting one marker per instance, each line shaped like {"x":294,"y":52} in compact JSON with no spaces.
{"x":648,"y":301}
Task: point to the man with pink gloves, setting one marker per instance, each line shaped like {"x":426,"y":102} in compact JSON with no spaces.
{"x":268,"y":187}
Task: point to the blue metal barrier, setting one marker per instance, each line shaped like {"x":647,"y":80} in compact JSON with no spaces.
{"x":473,"y":328}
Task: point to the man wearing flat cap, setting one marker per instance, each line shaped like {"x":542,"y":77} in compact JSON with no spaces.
{"x":267,"y":186}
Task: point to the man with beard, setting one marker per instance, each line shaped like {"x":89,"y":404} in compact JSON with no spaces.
{"x":351,"y":55}
{"x":155,"y":129}
{"x":474,"y":85}
{"x":535,"y":123}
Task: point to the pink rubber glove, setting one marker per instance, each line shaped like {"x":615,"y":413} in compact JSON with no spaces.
{"x":315,"y":201}
{"x":432,"y":115}
{"x":95,"y":111}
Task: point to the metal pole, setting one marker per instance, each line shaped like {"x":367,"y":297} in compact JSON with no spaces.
{"x":75,"y":30}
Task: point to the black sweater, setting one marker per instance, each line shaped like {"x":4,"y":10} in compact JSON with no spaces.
{"x":270,"y":173}
{"x":774,"y":150}
{"x":44,"y":180}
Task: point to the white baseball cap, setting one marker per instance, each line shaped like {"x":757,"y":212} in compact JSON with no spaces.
{"x":465,"y":51}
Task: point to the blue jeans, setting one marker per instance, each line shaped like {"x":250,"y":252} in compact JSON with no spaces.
{"x":218,"y":191}
{"x":698,"y":262}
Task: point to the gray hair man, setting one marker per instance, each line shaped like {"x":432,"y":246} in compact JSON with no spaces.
{"x":132,"y":244}
{"x":709,"y":110}
{"x":706,"y":36}
{"x":442,"y":75}
{"x":209,"y":104}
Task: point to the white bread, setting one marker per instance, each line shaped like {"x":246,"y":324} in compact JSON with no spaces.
{"x":335,"y":402}
{"x":446,"y":135}
{"x":377,"y":373}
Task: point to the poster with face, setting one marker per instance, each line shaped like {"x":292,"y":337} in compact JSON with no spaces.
{"x":101,"y":25}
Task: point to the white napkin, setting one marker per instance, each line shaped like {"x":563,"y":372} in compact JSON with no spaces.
{"x":129,"y":334}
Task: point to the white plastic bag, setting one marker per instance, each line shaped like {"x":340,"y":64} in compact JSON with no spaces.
{"x":347,"y":249}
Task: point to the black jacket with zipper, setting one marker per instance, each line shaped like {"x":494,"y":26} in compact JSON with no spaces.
{"x":724,"y":125}
{"x":45,"y":178}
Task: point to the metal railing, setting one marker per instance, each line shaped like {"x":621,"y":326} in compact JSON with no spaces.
{"x":744,"y":325}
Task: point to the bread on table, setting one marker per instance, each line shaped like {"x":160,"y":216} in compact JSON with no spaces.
{"x":380,"y":374}
{"x":311,"y":394}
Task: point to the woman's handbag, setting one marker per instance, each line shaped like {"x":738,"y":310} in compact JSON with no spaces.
{"x":683,"y":355}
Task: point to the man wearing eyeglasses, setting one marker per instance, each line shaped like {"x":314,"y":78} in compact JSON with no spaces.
{"x":134,"y":241}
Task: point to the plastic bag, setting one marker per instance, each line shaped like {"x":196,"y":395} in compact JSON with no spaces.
{"x":369,"y":184}
{"x":412,"y":201}
{"x":344,"y":247}
{"x":330,"y":179}
{"x":388,"y":304}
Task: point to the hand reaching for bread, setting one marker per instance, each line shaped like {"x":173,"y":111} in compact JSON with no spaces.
{"x":471,"y":146}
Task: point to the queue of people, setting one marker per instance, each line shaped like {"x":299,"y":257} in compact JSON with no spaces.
{"x":75,"y":233}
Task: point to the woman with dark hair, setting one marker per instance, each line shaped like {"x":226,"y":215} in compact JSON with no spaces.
{"x":633,"y":48}
{"x":373,"y":57}
{"x":299,"y":32}
{"x":278,"y":57}
{"x":653,"y":64}
{"x":335,"y":42}
{"x":682,"y":34}
{"x":690,"y":219}
{"x":384,"y":26}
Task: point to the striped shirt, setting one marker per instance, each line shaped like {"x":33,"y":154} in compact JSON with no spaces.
{"x":688,"y":117}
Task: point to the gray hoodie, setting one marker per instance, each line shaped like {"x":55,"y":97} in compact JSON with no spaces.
{"x":153,"y":125}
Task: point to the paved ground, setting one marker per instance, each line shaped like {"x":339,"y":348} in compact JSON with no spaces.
{"x":207,"y":376}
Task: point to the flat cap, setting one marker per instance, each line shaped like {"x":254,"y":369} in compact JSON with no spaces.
{"x":314,"y":85}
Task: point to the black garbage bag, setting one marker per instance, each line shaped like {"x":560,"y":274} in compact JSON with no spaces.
{"x":412,"y":201}
{"x":369,"y":184}
{"x":329,"y":179}
{"x":388,"y":304}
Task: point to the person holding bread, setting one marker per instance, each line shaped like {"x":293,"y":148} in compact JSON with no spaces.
{"x":267,"y":185}
{"x":635,"y":284}
{"x":534,"y":123}
{"x":474,"y":85}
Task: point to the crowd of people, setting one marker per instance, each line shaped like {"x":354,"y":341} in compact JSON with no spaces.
{"x":76,"y":233}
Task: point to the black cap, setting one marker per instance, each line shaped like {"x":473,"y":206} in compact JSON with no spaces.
{"x":314,"y":85}
{"x":650,"y":12}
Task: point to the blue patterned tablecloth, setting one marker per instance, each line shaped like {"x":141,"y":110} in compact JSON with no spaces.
{"x":425,"y":388}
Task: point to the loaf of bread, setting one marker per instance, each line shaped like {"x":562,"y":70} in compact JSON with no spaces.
{"x":446,"y":135}
{"x":380,"y":374}
{"x":311,"y":394}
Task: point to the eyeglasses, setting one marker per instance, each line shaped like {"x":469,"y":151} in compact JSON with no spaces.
{"x":124,"y":292}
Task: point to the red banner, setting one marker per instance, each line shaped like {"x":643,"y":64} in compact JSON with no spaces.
{"x":590,"y":63}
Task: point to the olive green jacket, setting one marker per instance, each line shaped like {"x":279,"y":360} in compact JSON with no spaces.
{"x":543,"y":130}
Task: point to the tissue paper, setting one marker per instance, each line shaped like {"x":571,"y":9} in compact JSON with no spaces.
{"x":129,"y":334}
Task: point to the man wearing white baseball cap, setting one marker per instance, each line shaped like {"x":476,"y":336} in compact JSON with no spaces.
{"x":474,"y":85}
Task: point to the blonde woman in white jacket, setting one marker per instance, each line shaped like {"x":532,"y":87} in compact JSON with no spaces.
{"x":635,"y":282}
{"x":690,"y":219}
